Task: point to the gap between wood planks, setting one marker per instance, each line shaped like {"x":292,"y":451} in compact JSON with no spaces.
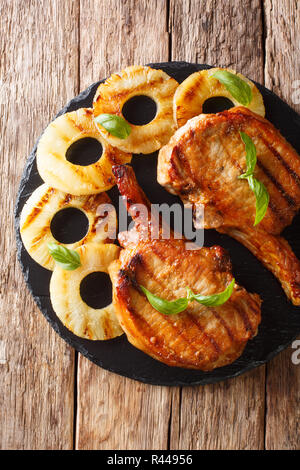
{"x":263,"y":41}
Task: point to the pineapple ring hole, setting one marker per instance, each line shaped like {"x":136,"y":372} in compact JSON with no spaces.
{"x":96,"y":290}
{"x":139,"y":110}
{"x":69,"y":225}
{"x":216,"y":104}
{"x":84,"y":151}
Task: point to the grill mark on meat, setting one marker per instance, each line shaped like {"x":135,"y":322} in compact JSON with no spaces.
{"x":177,"y":331}
{"x":192,"y":318}
{"x":149,"y":333}
{"x":279,"y":187}
{"x":138,"y":260}
{"x":223,"y":143}
{"x":277,"y":212}
{"x":173,"y":171}
{"x":243,"y":314}
{"x":271,"y":206}
{"x":177,"y":171}
{"x":180,"y":156}
{"x":282,"y":161}
{"x":208,"y":337}
{"x":225,"y":325}
{"x":160,"y":344}
{"x":252,"y":305}
{"x":126,"y":282}
{"x":243,"y":119}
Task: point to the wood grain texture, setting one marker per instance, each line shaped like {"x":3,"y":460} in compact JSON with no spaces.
{"x":218,"y":32}
{"x":113,"y":412}
{"x":228,"y":415}
{"x":282,"y":39}
{"x":115,"y":34}
{"x":282,"y":75}
{"x":225,"y":416}
{"x":38,"y":44}
{"x":283,"y":403}
{"x":118,"y":413}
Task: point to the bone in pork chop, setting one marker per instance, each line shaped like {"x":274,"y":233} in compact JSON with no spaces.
{"x":202,"y":163}
{"x":201,"y":337}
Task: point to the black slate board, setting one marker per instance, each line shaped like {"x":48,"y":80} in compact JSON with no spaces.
{"x":280,"y":319}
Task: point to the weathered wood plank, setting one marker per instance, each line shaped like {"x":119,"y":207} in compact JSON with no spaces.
{"x":118,"y":413}
{"x":218,"y":32}
{"x":282,"y":74}
{"x":118,"y":33}
{"x":229,"y":415}
{"x":283,"y":402}
{"x":38,"y":63}
{"x":114,"y":412}
{"x":282,"y":31}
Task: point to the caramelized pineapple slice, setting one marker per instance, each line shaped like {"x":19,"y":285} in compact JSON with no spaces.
{"x":75,"y":314}
{"x":199,"y":87}
{"x":40,"y":209}
{"x":136,"y":81}
{"x":61,"y":174}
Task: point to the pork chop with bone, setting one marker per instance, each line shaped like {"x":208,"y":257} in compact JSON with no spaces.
{"x":202,"y":163}
{"x":200,"y":337}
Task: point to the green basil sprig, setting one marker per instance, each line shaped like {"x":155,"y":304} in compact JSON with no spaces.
{"x":251,"y":158}
{"x":177,"y":306}
{"x":115,"y":125}
{"x":165,"y":306}
{"x":213,"y":300}
{"x":259,"y":189}
{"x":67,"y":259}
{"x":262,"y":198}
{"x":238,"y":88}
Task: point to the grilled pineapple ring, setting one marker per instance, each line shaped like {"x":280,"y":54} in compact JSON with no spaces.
{"x":136,"y":81}
{"x":40,"y":209}
{"x":199,"y":87}
{"x":59,"y":173}
{"x":75,"y":314}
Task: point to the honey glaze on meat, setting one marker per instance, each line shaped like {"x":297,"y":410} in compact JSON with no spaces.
{"x":202,"y":163}
{"x":200,"y":337}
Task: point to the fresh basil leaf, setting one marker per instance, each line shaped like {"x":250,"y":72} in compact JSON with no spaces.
{"x":177,"y":306}
{"x":238,"y":88}
{"x":250,"y":155}
{"x":262,"y":198}
{"x":259,"y":189}
{"x":65,"y":258}
{"x":165,"y":306}
{"x":215,"y":299}
{"x":115,"y":125}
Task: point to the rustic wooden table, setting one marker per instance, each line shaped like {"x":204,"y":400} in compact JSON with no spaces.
{"x":50,"y":397}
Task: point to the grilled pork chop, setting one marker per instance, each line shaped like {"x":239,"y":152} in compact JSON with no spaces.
{"x":201,"y":164}
{"x":198,"y":338}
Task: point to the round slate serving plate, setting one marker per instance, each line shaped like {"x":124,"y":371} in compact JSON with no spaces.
{"x":280,"y":319}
